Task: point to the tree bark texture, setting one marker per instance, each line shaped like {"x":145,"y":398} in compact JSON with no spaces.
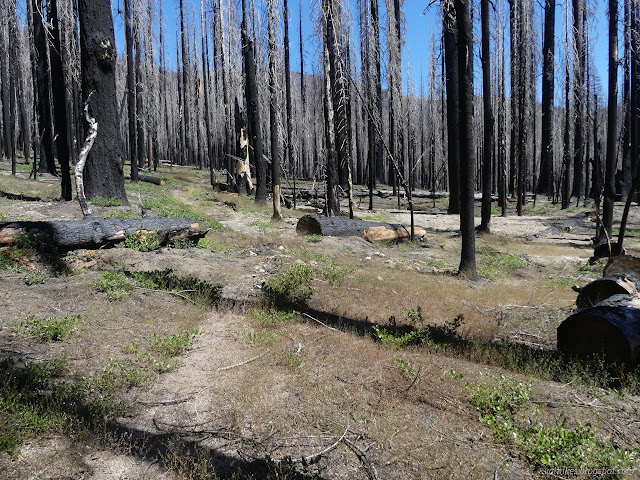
{"x":104,"y":171}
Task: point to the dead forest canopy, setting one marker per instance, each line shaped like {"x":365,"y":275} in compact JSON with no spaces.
{"x":348,"y":112}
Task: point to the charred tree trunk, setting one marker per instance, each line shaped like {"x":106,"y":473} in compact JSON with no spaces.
{"x":131,"y":92}
{"x":104,"y":174}
{"x":467,"y":154}
{"x":377,"y":86}
{"x":253,"y":110}
{"x":453,"y":139}
{"x":59,"y":102}
{"x":545,"y":181}
{"x":579,"y":98}
{"x":273,"y":113}
{"x":612,"y":118}
{"x":488,"y":117}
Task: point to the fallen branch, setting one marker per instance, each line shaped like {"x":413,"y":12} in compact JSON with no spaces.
{"x":369,"y":467}
{"x":321,"y":323}
{"x":305,"y":460}
{"x":229,"y":367}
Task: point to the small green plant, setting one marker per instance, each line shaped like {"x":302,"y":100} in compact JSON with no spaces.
{"x":441,"y":267}
{"x":290,"y":287}
{"x":335,"y":274}
{"x":391,"y":338}
{"x":315,"y":238}
{"x":273,"y":317}
{"x":265,"y":226}
{"x":502,"y":408}
{"x":494,"y":263}
{"x":307,"y":256}
{"x":214,"y":246}
{"x":128,"y":213}
{"x":51,"y":328}
{"x":182,"y":243}
{"x":407,"y":370}
{"x":106,"y":202}
{"x":116,"y":285}
{"x":174,"y":345}
{"x":143,"y":241}
{"x":35,"y":278}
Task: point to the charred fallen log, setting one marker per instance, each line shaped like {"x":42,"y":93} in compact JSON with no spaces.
{"x":612,"y":328}
{"x":345,"y":227}
{"x":94,"y":232}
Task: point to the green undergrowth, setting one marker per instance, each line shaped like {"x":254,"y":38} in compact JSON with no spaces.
{"x":119,"y":285}
{"x":168,"y":206}
{"x":492,"y":263}
{"x":37,"y":399}
{"x":51,"y":328}
{"x":291,"y":287}
{"x":448,"y":339}
{"x":505,"y":407}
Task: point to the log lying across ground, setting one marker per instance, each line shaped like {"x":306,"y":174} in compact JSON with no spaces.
{"x":154,"y":180}
{"x":92,"y":232}
{"x":612,"y":327}
{"x":608,"y":320}
{"x":621,"y":276}
{"x":345,"y":227}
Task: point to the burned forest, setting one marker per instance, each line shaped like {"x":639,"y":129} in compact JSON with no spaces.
{"x":327,"y":239}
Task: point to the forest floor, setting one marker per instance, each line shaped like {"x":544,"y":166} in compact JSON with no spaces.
{"x":395,"y":368}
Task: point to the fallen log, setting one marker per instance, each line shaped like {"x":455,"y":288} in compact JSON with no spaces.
{"x":621,"y":276}
{"x":383,"y":233}
{"x":154,"y":180}
{"x":345,"y":227}
{"x":603,"y":288}
{"x":611,"y":328}
{"x":92,"y":232}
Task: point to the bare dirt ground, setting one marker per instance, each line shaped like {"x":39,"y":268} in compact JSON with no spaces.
{"x":246,"y":389}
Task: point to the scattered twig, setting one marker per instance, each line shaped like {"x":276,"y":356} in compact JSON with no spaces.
{"x":229,"y":367}
{"x":369,"y":467}
{"x":321,"y":323}
{"x":177,"y":294}
{"x":308,"y":459}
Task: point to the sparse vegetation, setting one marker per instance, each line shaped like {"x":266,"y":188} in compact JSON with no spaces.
{"x":106,"y":202}
{"x":143,"y":241}
{"x":493,"y":263}
{"x":51,"y":328}
{"x":35,"y":278}
{"x":315,"y":238}
{"x":174,"y":345}
{"x":290,"y":287}
{"x":503,"y":408}
{"x":116,"y":285}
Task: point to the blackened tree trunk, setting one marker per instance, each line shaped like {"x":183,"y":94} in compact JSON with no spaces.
{"x":104,"y":174}
{"x":141,"y":148}
{"x":467,"y":154}
{"x":579,"y":98}
{"x":488,"y":117}
{"x":333,"y":199}
{"x":59,"y":102}
{"x":131,"y":90}
{"x":41,"y":82}
{"x":273,"y":113}
{"x":287,"y":89}
{"x":612,"y":119}
{"x":377,"y":86}
{"x":545,"y":181}
{"x":253,"y":110}
{"x":453,"y":139}
{"x":186,"y":104}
